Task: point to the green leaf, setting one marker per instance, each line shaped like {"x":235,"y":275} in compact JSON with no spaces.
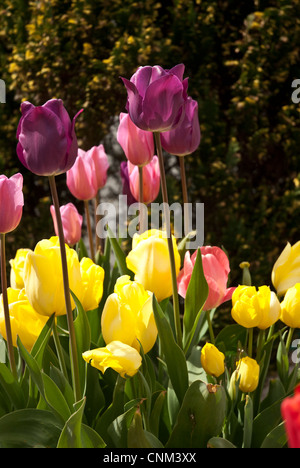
{"x":248,"y":422}
{"x":11,"y":387}
{"x":29,"y":428}
{"x":136,"y":437}
{"x":173,"y":354}
{"x":277,"y":438}
{"x":218,"y":442}
{"x":282,"y":359}
{"x":196,"y":296}
{"x":265,"y":422}
{"x":119,"y":254}
{"x":55,"y":398}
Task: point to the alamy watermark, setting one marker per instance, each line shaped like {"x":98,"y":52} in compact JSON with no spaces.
{"x":2,"y":92}
{"x":124,"y":221}
{"x":295,"y":357}
{"x":296,"y":93}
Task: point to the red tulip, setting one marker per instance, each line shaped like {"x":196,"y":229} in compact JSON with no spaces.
{"x":290,"y":410}
{"x":11,"y":202}
{"x":71,"y":221}
{"x":216,"y":270}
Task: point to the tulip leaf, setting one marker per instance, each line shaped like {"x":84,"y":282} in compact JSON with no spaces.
{"x":11,"y":387}
{"x":173,"y":354}
{"x":219,"y":442}
{"x":248,"y":422}
{"x":265,"y":422}
{"x":196,"y":296}
{"x":119,"y":254}
{"x":55,"y":398}
{"x":277,"y":438}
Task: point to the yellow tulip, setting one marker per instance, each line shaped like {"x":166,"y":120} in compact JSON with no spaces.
{"x":255,"y":308}
{"x":43,"y":277}
{"x":128,"y":315}
{"x":248,"y":373}
{"x":212,"y":360}
{"x":149,"y":261}
{"x":286,"y":270}
{"x":92,"y":280}
{"x":117,"y":355}
{"x":17,"y":267}
{"x":290,"y":307}
{"x":25,"y":321}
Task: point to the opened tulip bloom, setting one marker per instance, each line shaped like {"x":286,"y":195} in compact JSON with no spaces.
{"x":149,"y":261}
{"x":25,"y":321}
{"x":151,"y":180}
{"x":255,"y":308}
{"x":290,"y":307}
{"x":216,"y":270}
{"x":212,"y":360}
{"x":248,"y":373}
{"x":17,"y":269}
{"x":11,"y":202}
{"x":156,"y":97}
{"x":185,"y":138}
{"x":47,"y":143}
{"x":137,"y":144}
{"x":71,"y":221}
{"x":290,"y":410}
{"x":128,"y":315}
{"x":286,"y":270}
{"x":116,"y":355}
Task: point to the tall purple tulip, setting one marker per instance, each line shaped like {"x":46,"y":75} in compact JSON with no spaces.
{"x":47,"y":144}
{"x":185,"y":138}
{"x":156,"y":97}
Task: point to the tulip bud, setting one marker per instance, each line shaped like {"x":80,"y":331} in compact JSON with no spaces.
{"x":212,"y":360}
{"x":151,"y":180}
{"x":71,"y":221}
{"x":137,"y":144}
{"x":92,"y":277}
{"x":81,"y":178}
{"x":248,"y":373}
{"x":11,"y":202}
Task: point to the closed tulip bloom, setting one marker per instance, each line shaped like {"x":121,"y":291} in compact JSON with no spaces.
{"x":11,"y":202}
{"x":185,"y":138}
{"x":150,"y":262}
{"x":25,"y":321}
{"x":81,"y":178}
{"x":255,"y":308}
{"x":99,"y":157}
{"x":47,"y":141}
{"x":43,"y":277}
{"x":216,"y":270}
{"x":92,"y":277}
{"x":17,"y":269}
{"x":137,"y":144}
{"x":151,"y":180}
{"x":71,"y":221}
{"x":286,"y":270}
{"x":290,"y":410}
{"x":156,"y":97}
{"x":116,"y":355}
{"x":128,"y":315}
{"x":248,"y":373}
{"x":212,"y":360}
{"x":290,"y":307}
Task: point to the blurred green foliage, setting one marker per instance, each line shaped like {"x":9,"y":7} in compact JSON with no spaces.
{"x":241,"y":58}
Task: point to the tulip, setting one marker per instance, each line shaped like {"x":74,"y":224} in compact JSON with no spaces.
{"x":92,"y":277}
{"x":81,"y":178}
{"x":117,"y":355}
{"x":290,"y":307}
{"x":212,"y":360}
{"x":25,"y":321}
{"x":100,"y":160}
{"x":43,"y":277}
{"x":151,"y":180}
{"x":11,"y":202}
{"x":255,"y":308}
{"x":156,"y":97}
{"x":128,"y":315}
{"x":72,"y":222}
{"x":149,"y":261}
{"x":286,"y":270}
{"x":125,"y":183}
{"x":185,"y":138}
{"x":290,"y":410}
{"x":47,"y":144}
{"x":248,"y":373}
{"x":17,"y":269}
{"x":216,"y":270}
{"x":137,"y":144}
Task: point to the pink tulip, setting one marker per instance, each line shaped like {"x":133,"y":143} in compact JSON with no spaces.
{"x":137,"y":144}
{"x":125,"y":183}
{"x":156,"y":97}
{"x":151,"y":180}
{"x":71,"y":221}
{"x":99,"y":157}
{"x":185,"y":138}
{"x":216,"y":270}
{"x":11,"y":202}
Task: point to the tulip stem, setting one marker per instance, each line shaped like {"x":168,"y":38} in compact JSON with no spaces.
{"x":187,"y":227}
{"x":9,"y":341}
{"x":99,"y":241}
{"x":210,"y":328}
{"x":72,"y":336}
{"x":250,"y":342}
{"x":59,"y":351}
{"x":169,"y":238}
{"x":88,"y":224}
{"x":141,"y":200}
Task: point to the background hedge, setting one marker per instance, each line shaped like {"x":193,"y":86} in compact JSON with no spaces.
{"x":241,"y":57}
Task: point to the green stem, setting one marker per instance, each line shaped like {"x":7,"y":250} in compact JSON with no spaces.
{"x":289,"y":339}
{"x":9,"y":341}
{"x":72,"y":336}
{"x":90,"y":234}
{"x":250,"y":342}
{"x":141,"y":199}
{"x":169,"y":238}
{"x":210,"y":328}
{"x":184,"y":195}
{"x":59,"y":351}
{"x":260,"y":344}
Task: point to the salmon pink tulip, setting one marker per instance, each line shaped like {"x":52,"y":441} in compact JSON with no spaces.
{"x":137,"y":144}
{"x":71,"y":221}
{"x":11,"y":202}
{"x":151,"y":180}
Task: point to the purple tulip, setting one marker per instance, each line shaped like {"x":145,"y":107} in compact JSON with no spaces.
{"x":156,"y":97}
{"x":47,"y":142}
{"x":185,"y":138}
{"x":11,"y":202}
